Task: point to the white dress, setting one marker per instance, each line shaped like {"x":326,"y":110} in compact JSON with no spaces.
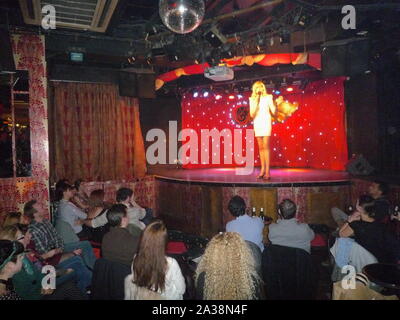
{"x":262,"y":120}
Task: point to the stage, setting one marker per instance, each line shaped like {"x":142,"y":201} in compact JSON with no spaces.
{"x":196,"y":200}
{"x":280,"y":177}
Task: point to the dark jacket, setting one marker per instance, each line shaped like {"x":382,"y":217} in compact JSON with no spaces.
{"x":119,"y":245}
{"x":288,"y":273}
{"x":108,"y":280}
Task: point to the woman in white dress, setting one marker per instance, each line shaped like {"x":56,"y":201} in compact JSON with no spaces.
{"x":261,"y":108}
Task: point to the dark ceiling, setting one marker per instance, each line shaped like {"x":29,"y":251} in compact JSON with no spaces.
{"x":136,"y":31}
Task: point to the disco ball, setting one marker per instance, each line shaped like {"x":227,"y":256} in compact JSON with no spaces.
{"x":181,"y":16}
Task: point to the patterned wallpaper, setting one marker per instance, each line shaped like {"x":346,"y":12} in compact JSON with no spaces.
{"x":29,"y":54}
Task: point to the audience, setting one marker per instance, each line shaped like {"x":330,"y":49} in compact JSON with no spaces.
{"x":119,"y":244}
{"x":378,"y":191}
{"x":250,"y":228}
{"x":49,"y":246}
{"x":28,"y":281}
{"x":370,"y":233}
{"x":153,"y":273}
{"x":11,"y":255}
{"x":227,"y":270}
{"x":69,"y":212}
{"x":287,"y":231}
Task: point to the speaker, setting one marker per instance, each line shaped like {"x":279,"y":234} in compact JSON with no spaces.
{"x":127,"y":84}
{"x":146,"y":83}
{"x":348,"y":57}
{"x":359,"y":166}
{"x":7,"y":63}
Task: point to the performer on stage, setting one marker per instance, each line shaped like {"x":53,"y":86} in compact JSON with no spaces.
{"x":261,"y":108}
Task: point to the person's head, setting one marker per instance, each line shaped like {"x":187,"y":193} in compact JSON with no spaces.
{"x":287,"y":209}
{"x":96,"y":198}
{"x":77,"y":184}
{"x":229,"y":269}
{"x":378,"y":189}
{"x":32,"y":211}
{"x":237,"y":206}
{"x":258,"y":88}
{"x":150,"y":264}
{"x":61,"y":182}
{"x":12,"y":218}
{"x":117,"y":216}
{"x":365,"y":200}
{"x":11,"y":254}
{"x":18,"y":232}
{"x":124,"y":195}
{"x":368,"y":212}
{"x":65,"y":191}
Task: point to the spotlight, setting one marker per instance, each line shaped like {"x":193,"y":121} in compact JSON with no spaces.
{"x":205,"y":94}
{"x":217,"y":97}
{"x":195,"y":94}
{"x":289,"y":89}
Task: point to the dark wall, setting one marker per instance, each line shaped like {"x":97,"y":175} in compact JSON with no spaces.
{"x":362,"y":117}
{"x":156,"y":113}
{"x":373,"y":115}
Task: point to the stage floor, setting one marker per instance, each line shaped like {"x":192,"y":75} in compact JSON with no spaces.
{"x":226,"y":176}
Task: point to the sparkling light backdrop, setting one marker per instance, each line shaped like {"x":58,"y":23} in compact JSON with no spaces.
{"x":313,"y":137}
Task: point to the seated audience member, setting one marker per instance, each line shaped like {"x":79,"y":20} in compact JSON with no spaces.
{"x":378,"y":191}
{"x":69,"y":212}
{"x":119,"y":244}
{"x":28,"y":281}
{"x":370,"y":234}
{"x":227,"y":270}
{"x":135,"y":212}
{"x":287,"y":231}
{"x":12,"y":218}
{"x":97,"y":210}
{"x":11,"y":255}
{"x":49,"y":246}
{"x":250,"y":228}
{"x":72,"y":242}
{"x":80,"y":198}
{"x":153,"y":273}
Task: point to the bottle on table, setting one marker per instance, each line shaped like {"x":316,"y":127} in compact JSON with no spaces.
{"x":262,"y":214}
{"x":253,"y":212}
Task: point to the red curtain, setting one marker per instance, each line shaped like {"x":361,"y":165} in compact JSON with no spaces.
{"x":313,"y":137}
{"x":96,"y":135}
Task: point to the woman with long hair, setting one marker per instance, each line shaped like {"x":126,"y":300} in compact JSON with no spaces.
{"x":152,"y":270}
{"x":227,"y":270}
{"x":261,"y":108}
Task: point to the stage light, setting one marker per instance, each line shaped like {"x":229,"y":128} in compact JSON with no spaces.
{"x":289,"y":89}
{"x":195,"y":95}
{"x":205,"y":95}
{"x":277,"y":92}
{"x":231,"y":97}
{"x":217,"y":97}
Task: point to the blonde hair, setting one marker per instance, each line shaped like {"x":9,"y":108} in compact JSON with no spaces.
{"x":255,"y":84}
{"x":11,"y":219}
{"x":229,"y":269}
{"x":9,"y":233}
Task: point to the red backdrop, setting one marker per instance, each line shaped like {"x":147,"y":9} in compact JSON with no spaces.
{"x":313,"y":137}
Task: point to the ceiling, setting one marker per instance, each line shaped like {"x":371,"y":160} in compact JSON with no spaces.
{"x":135,"y":32}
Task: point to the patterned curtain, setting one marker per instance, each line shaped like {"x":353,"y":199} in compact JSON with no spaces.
{"x":96,"y":134}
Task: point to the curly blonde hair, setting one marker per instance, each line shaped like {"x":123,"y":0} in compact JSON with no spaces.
{"x":229,"y":269}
